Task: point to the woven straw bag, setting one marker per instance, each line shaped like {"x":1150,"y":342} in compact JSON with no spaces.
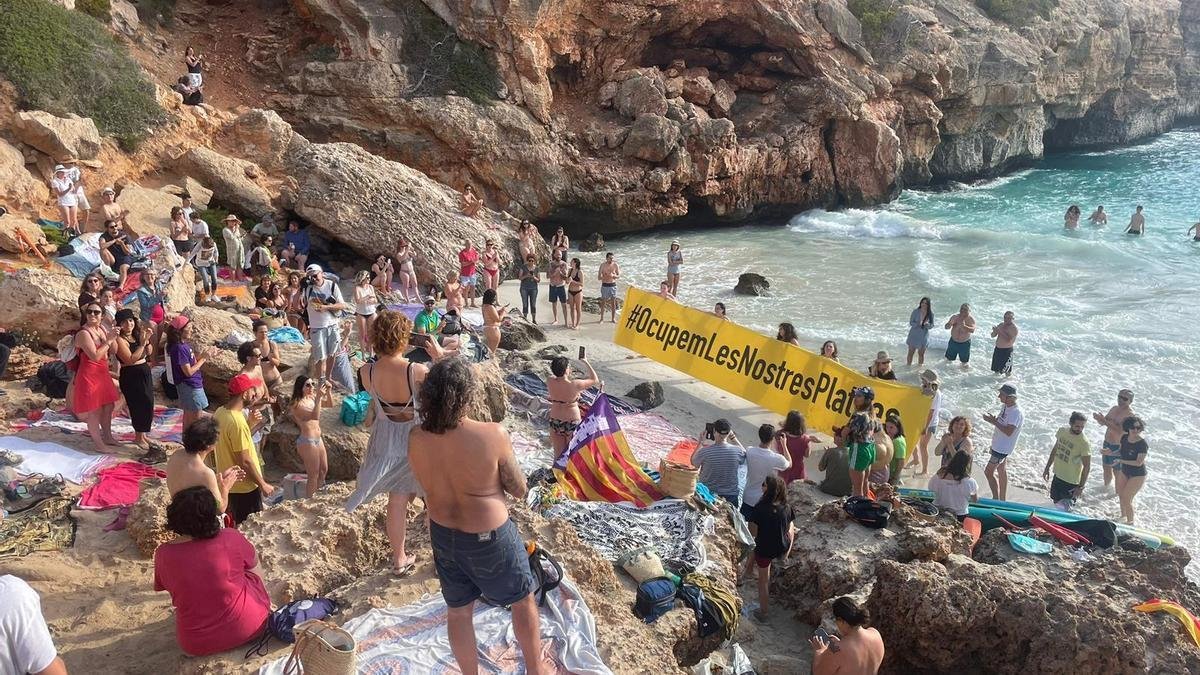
{"x":321,"y":649}
{"x":677,"y":480}
{"x":642,"y":564}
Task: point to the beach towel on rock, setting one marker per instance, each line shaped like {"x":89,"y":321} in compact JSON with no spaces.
{"x":413,"y":639}
{"x":118,"y":485}
{"x":51,"y":459}
{"x":285,"y":335}
{"x":668,"y":527}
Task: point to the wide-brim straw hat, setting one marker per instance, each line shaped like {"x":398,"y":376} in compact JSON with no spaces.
{"x":883,"y":357}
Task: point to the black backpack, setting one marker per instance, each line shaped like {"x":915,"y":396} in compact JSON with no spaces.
{"x":547,"y":573}
{"x":54,"y":378}
{"x":654,"y":598}
{"x":868,"y":512}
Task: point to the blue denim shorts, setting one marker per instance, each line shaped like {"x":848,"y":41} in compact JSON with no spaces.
{"x":492,"y":565}
{"x":191,"y":398}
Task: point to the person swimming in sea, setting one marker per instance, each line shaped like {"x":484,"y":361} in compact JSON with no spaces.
{"x":1071,"y":220}
{"x":1098,"y":217}
{"x":1137,"y":223}
{"x":1194,"y":228}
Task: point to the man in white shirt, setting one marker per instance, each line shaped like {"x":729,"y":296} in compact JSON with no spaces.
{"x":25,"y":644}
{"x":770,"y":456}
{"x":1004,"y":440}
{"x":324,"y":301}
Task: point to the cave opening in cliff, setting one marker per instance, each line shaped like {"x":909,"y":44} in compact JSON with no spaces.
{"x":726,"y":48}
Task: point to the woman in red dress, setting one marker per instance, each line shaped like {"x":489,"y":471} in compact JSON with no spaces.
{"x":95,"y":392}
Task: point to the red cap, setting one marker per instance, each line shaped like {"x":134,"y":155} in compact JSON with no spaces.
{"x":179,"y":322}
{"x":242,"y":383}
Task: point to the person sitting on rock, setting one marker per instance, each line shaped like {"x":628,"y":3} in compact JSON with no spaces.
{"x":192,"y":94}
{"x":471,"y":205}
{"x":721,"y":459}
{"x":190,"y":468}
{"x":856,"y":650}
{"x":115,"y":244}
{"x":211,"y":573}
{"x":296,"y":245}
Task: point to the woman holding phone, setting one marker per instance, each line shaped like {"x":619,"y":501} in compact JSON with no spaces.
{"x":563,"y":394}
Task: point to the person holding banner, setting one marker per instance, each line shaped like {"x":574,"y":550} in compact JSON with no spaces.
{"x":919,"y":322}
{"x":563,"y":394}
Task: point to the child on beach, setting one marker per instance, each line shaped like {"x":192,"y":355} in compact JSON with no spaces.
{"x":773,"y":540}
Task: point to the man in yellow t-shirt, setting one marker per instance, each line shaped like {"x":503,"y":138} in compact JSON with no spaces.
{"x":1072,"y":461}
{"x":235,"y":447}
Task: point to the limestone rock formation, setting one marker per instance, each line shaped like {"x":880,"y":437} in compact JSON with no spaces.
{"x":230,"y":179}
{"x":751,"y":283}
{"x":149,"y":211}
{"x":521,"y":335}
{"x":817,"y":111}
{"x":41,"y":303}
{"x":18,"y":188}
{"x":345,"y":446}
{"x":59,"y":137}
{"x":147,"y":524}
{"x":649,"y":394}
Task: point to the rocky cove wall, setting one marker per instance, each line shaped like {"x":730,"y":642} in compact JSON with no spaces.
{"x":625,"y":114}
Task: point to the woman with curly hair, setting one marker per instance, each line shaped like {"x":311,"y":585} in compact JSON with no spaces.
{"x":211,"y":573}
{"x":393,"y":382}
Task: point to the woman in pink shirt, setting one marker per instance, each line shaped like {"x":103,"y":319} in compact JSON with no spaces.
{"x":795,"y":434}
{"x":210,"y":572}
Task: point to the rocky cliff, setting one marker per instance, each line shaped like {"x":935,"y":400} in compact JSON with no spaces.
{"x":625,"y":114}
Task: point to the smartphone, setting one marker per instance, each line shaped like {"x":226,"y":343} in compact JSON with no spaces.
{"x":708,"y":430}
{"x":823,"y":635}
{"x":582,"y":353}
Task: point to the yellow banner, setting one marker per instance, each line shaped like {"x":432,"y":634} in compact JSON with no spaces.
{"x":776,"y":375}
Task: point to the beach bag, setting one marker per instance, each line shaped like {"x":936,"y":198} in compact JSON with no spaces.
{"x":677,"y":480}
{"x":654,"y":598}
{"x":282,"y":622}
{"x":868,"y":512}
{"x":322,"y":649}
{"x":642,"y":564}
{"x":55,"y":378}
{"x":354,"y":408}
{"x":1102,"y":533}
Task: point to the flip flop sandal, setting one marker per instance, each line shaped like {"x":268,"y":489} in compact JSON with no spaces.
{"x":155,"y":455}
{"x":405,"y":570}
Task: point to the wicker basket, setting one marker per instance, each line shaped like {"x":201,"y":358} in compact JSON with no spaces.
{"x":321,"y":649}
{"x":677,"y":480}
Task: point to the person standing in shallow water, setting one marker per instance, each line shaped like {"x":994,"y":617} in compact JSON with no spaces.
{"x":1133,"y":464}
{"x":1005,"y":333}
{"x":608,"y":275}
{"x":674,"y":267}
{"x":1004,"y":441}
{"x":1137,"y":222}
{"x":961,"y":326}
{"x":1071,"y":221}
{"x":1098,"y":217}
{"x":1110,"y":452}
{"x":477,"y":550}
{"x":919,"y":322}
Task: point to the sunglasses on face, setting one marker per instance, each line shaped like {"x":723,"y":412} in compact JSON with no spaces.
{"x":96,"y":312}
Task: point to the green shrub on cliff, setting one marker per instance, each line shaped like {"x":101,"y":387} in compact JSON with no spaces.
{"x":66,"y":62}
{"x":439,"y":62}
{"x":1017,"y":12}
{"x":874,"y":15}
{"x":99,"y":9}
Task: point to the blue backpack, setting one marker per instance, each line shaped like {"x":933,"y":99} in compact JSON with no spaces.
{"x":282,"y":621}
{"x":655,"y":597}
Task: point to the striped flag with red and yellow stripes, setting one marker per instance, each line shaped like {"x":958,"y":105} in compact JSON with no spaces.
{"x":598,"y":466}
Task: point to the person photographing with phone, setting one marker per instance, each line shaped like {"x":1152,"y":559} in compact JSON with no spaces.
{"x":563,"y":394}
{"x":721,"y":459}
{"x":856,"y":650}
{"x":324,"y":301}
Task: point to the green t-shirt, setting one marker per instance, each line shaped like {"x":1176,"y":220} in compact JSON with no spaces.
{"x":427,"y":322}
{"x":899,"y":448}
{"x":1069,"y":451}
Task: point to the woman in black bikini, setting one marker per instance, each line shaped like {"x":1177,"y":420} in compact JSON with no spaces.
{"x":1132,"y":475}
{"x":575,"y":293}
{"x":563,"y":394}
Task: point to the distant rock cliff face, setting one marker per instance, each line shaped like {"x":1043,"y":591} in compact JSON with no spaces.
{"x":616,"y":115}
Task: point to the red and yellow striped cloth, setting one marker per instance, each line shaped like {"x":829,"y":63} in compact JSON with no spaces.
{"x":598,"y":465}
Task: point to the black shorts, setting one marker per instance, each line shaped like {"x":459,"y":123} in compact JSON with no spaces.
{"x":1060,"y":490}
{"x":490,"y":565}
{"x":182,"y":247}
{"x":1002,"y":360}
{"x":242,"y":504}
{"x":959,"y":350}
{"x":558,"y":294}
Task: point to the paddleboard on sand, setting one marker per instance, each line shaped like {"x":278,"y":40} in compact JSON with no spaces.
{"x":986,"y":510}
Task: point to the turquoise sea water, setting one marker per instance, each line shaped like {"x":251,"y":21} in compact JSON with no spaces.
{"x":1098,"y":310}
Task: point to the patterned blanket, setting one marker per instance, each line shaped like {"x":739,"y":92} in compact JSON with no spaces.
{"x":668,"y":526}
